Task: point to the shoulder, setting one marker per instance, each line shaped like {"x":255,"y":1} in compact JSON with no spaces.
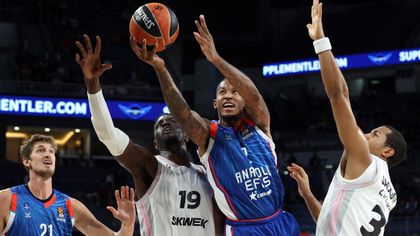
{"x":6,"y":200}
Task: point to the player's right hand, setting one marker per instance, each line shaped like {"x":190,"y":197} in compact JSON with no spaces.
{"x":90,"y":61}
{"x":150,"y":57}
{"x":299,"y":174}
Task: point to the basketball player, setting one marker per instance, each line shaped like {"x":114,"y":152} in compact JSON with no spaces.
{"x":175,"y":197}
{"x":237,"y":150}
{"x":361,"y":195}
{"x":37,"y":209}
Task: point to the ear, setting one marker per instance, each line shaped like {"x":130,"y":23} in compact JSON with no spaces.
{"x":214,"y":104}
{"x":388,"y":152}
{"x":155,"y":144}
{"x":26,"y":162}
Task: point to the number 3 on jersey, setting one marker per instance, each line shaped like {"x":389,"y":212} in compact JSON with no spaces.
{"x":377,"y":224}
{"x":45,"y":229}
{"x":192,"y":197}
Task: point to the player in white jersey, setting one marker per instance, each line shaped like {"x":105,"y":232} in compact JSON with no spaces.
{"x":361,"y":194}
{"x":174,"y":195}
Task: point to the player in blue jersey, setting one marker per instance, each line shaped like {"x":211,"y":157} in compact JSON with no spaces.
{"x":38,"y":209}
{"x":237,"y":150}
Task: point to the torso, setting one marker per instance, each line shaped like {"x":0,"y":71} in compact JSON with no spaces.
{"x":179,"y":202}
{"x":242,"y":171}
{"x":360,"y":206}
{"x":31,"y":216}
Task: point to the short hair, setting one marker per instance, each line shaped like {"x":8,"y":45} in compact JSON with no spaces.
{"x":161,"y":114}
{"x":396,"y":141}
{"x":27,"y":146}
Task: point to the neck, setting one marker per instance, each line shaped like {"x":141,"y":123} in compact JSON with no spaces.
{"x":232,"y":121}
{"x":179,"y":156}
{"x":39,"y":187}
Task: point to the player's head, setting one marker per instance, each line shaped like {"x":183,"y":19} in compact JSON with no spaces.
{"x":229,"y":104}
{"x":38,"y":155}
{"x":168,"y":132}
{"x":387,"y":143}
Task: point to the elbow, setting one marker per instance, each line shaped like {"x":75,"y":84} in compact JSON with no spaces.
{"x":338,"y":94}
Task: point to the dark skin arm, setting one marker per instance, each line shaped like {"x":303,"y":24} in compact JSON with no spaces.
{"x":136,"y":159}
{"x":196,"y":127}
{"x":254,"y":102}
{"x":219,"y":220}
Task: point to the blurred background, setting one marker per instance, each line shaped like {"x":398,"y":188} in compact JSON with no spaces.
{"x":37,"y":66}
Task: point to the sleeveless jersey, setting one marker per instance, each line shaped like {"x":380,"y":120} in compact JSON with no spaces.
{"x":30,"y":216}
{"x":358,"y":207}
{"x":241,"y":168}
{"x":179,"y":202}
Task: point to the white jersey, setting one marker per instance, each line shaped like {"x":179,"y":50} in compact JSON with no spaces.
{"x":360,"y":206}
{"x":178,"y":202}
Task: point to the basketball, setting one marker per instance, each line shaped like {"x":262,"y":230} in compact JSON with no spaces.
{"x":154,"y":22}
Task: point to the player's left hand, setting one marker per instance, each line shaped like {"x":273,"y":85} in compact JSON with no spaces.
{"x":126,"y":212}
{"x":299,"y":174}
{"x":205,"y":40}
{"x":315,"y":29}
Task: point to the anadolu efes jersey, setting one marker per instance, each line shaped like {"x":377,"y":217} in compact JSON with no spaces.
{"x":241,"y":168}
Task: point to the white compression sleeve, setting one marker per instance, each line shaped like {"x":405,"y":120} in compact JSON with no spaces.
{"x":114,"y":139}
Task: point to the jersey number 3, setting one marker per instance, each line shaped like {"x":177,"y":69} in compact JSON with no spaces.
{"x":192,"y":197}
{"x":377,"y":224}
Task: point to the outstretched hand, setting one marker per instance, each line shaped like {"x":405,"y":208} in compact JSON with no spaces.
{"x":315,"y":29}
{"x":299,"y":174}
{"x":150,"y":57}
{"x":205,"y":40}
{"x":90,"y":61}
{"x":126,"y":212}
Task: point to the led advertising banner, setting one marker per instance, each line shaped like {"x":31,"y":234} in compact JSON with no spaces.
{"x":354,"y":61}
{"x":78,"y":108}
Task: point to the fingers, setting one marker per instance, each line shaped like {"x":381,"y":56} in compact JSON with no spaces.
{"x":132,"y":194}
{"x":320,"y":10}
{"x":199,"y":27}
{"x":113,"y":211}
{"x":81,"y":49}
{"x":198,"y":37}
{"x":98,"y":46}
{"x":77,"y":58}
{"x":88,"y":43}
{"x":203,"y":23}
{"x":117,"y":195}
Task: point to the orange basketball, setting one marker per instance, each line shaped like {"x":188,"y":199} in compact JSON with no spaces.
{"x":154,"y":22}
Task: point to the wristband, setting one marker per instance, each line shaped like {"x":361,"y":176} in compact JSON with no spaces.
{"x":322,"y":45}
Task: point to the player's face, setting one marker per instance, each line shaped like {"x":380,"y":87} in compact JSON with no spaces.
{"x":42,"y":160}
{"x":376,"y":139}
{"x":228,"y":102}
{"x":167,"y":130}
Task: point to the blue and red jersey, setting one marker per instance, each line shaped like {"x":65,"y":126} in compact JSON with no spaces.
{"x":242,"y":170}
{"x":31,"y":216}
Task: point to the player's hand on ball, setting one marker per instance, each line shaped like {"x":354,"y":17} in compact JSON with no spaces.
{"x":89,"y":60}
{"x":150,"y":57}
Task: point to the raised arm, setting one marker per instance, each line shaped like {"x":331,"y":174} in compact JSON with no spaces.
{"x":6,"y":200}
{"x":196,"y":127}
{"x":138,"y":160}
{"x":357,"y":153}
{"x":87,"y":223}
{"x":254,"y":102}
{"x":299,"y":174}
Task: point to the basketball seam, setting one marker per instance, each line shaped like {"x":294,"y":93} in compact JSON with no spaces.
{"x":169,"y":28}
{"x":154,"y":17}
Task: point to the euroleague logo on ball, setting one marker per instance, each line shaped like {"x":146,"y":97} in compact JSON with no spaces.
{"x":156,"y":23}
